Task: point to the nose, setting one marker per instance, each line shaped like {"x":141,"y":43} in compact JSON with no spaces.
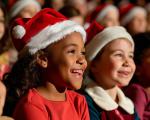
{"x":126,"y":63}
{"x":81,"y":60}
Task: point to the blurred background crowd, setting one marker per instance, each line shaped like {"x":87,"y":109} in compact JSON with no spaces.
{"x":134,"y":15}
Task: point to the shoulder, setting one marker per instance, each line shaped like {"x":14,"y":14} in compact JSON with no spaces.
{"x":30,"y":106}
{"x":135,"y":89}
{"x":75,"y":95}
{"x":32,"y":99}
{"x":136,"y":86}
{"x":76,"y":99}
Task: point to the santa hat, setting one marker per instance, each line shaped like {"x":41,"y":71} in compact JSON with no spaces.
{"x":102,"y":36}
{"x":20,"y":4}
{"x":128,"y":11}
{"x":46,"y":27}
{"x":99,"y":13}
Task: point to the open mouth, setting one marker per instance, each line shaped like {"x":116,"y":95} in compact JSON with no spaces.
{"x":77,"y":72}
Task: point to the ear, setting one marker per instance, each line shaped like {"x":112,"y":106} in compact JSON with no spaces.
{"x":42,"y":60}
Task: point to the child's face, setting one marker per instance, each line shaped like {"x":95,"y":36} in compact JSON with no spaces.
{"x":28,"y":11}
{"x":115,"y":66}
{"x":110,"y":19}
{"x":143,"y":69}
{"x":2,"y":25}
{"x":67,"y":61}
{"x":138,"y":24}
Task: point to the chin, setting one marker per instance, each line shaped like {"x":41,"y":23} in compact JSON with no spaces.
{"x":76,"y":87}
{"x":123,"y":84}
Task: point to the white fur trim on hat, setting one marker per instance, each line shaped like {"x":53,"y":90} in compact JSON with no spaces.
{"x":108,"y":8}
{"x":20,"y":4}
{"x":53,"y":33}
{"x":136,"y":10}
{"x":103,"y":38}
{"x":18,"y":32}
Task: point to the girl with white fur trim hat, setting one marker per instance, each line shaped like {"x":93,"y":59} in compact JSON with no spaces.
{"x":109,"y":52}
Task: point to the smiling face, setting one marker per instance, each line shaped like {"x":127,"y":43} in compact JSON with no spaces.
{"x":67,"y":62}
{"x":115,"y":65}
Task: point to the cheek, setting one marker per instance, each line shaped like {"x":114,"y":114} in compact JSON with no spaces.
{"x":2,"y":27}
{"x":113,"y":65}
{"x":65,"y":64}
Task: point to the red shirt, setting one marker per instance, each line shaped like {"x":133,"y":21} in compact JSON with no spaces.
{"x":35,"y":107}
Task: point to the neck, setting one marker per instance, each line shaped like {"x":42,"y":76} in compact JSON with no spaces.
{"x":50,"y":92}
{"x":113,"y":93}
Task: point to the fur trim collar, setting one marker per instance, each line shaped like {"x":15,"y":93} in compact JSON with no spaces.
{"x":103,"y":100}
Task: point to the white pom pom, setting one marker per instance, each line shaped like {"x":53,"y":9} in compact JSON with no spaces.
{"x":18,"y":32}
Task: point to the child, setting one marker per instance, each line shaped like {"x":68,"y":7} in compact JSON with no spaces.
{"x":133,"y":18}
{"x":110,"y":55}
{"x":105,"y":14}
{"x":2,"y":101}
{"x":7,"y":53}
{"x":139,"y":90}
{"x":51,"y":60}
{"x":24,"y":9}
{"x":73,"y":14}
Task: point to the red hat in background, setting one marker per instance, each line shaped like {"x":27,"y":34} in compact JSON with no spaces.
{"x":128,"y":11}
{"x":93,"y":29}
{"x":98,"y":37}
{"x":46,"y":27}
{"x":100,"y":12}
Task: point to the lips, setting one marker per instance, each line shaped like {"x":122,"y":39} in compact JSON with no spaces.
{"x":124,"y":73}
{"x":77,"y":71}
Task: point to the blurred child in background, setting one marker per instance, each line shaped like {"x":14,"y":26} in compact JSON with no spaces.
{"x":133,"y":18}
{"x":24,"y":9}
{"x":2,"y":101}
{"x":105,"y":14}
{"x":7,"y":54}
{"x":73,"y":14}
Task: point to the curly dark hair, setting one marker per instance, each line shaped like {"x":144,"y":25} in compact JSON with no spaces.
{"x":25,"y":74}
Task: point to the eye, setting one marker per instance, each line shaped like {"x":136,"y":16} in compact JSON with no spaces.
{"x":83,"y":53}
{"x":131,"y":56}
{"x":72,"y":51}
{"x":119,"y":54}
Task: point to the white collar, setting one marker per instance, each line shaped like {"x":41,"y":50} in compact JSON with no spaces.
{"x":103,"y":100}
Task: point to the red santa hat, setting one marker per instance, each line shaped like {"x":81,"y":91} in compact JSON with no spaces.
{"x":46,"y":27}
{"x":128,"y":11}
{"x":100,"y":12}
{"x":20,"y":4}
{"x":102,"y":36}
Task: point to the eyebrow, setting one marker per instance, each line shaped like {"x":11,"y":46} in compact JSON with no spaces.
{"x":120,"y":50}
{"x":72,"y":44}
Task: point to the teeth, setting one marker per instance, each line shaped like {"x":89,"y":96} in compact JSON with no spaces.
{"x":77,"y":71}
